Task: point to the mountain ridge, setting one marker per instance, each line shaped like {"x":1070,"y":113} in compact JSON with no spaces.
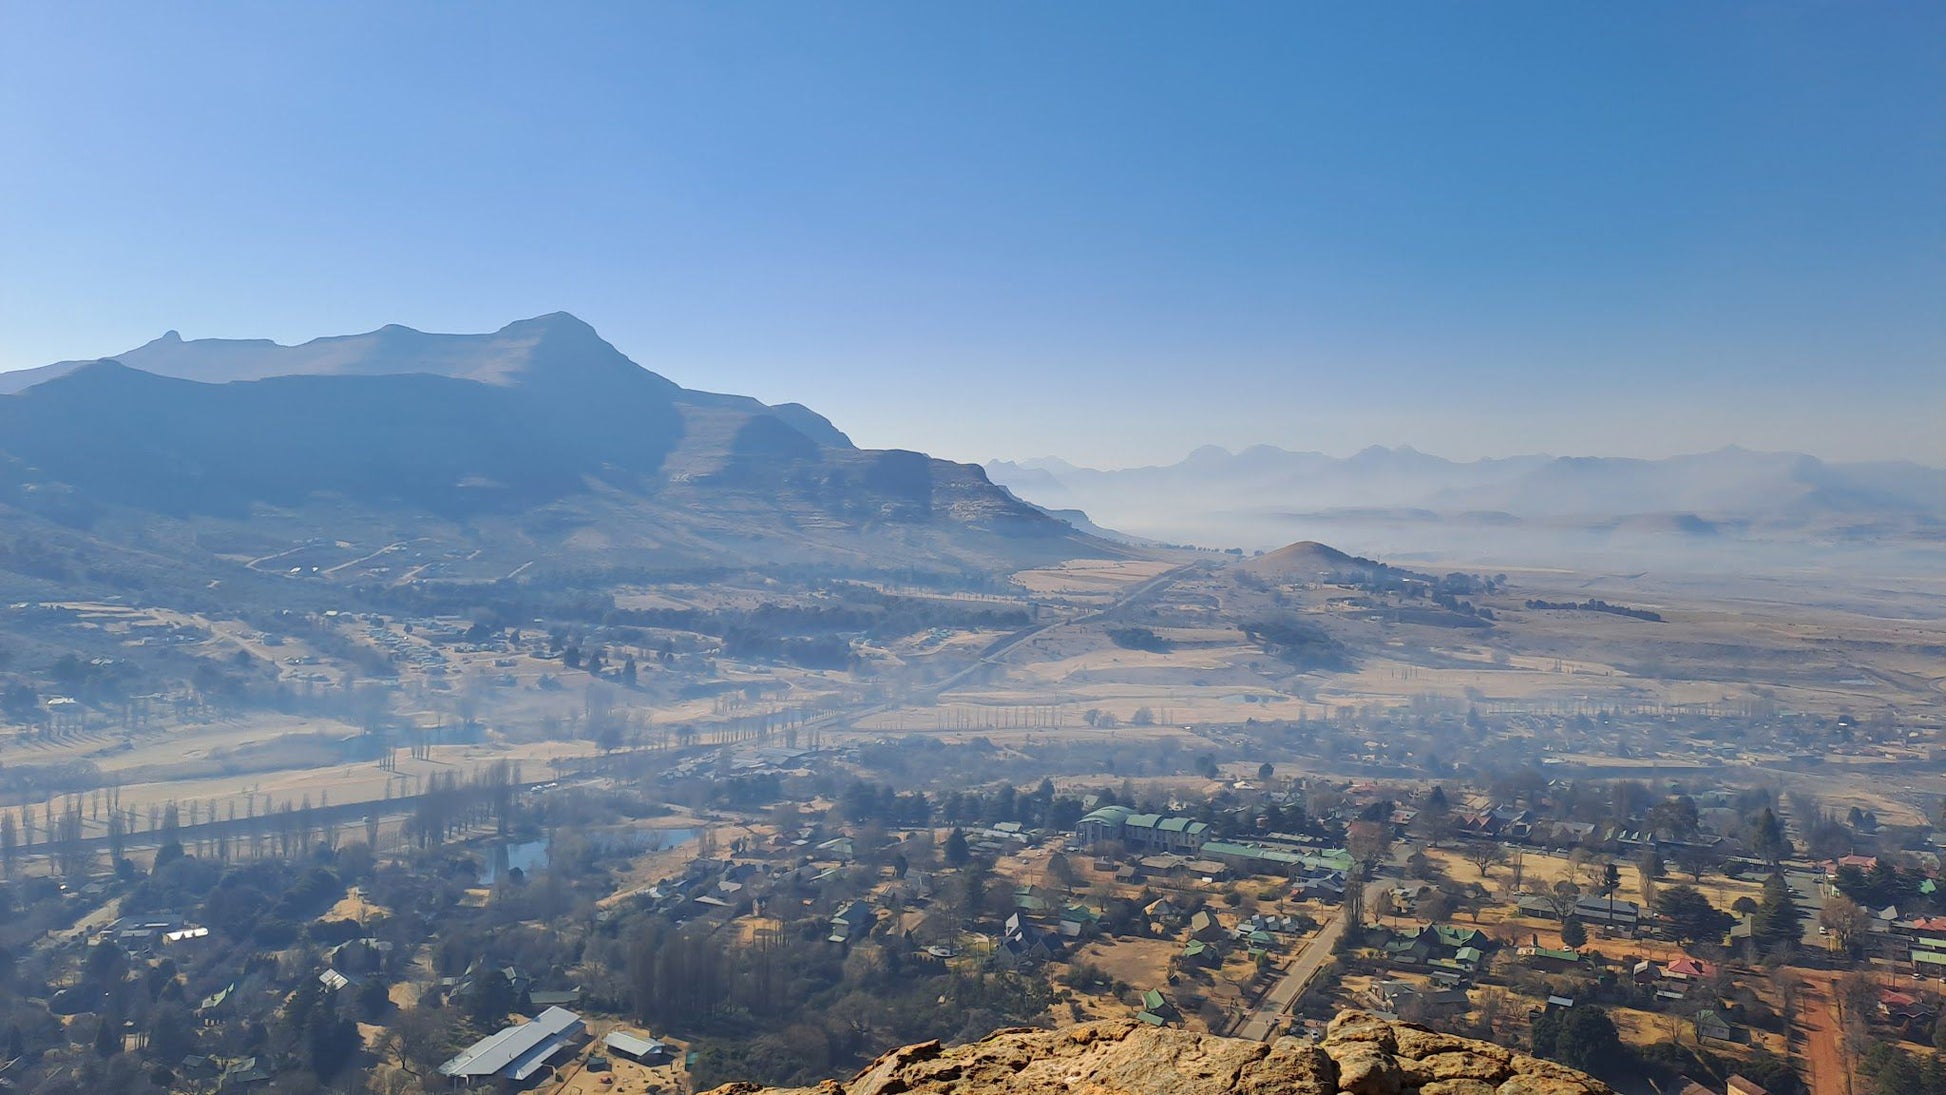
{"x":545,"y":351}
{"x":541,"y":429}
{"x":1729,"y":488}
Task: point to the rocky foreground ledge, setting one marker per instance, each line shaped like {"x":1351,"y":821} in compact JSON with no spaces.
{"x":1361,"y":1055}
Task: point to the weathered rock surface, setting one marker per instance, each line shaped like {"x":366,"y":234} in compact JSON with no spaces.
{"x":1361,"y":1055}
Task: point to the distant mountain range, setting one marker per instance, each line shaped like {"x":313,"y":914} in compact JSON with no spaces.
{"x":542,"y":430}
{"x":1264,"y":495}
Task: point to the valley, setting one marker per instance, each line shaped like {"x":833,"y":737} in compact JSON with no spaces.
{"x":786,"y":752}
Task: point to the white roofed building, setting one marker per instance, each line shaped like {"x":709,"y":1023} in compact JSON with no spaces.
{"x":518,"y":1052}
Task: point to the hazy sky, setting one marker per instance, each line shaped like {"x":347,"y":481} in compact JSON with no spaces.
{"x":1110,"y":232}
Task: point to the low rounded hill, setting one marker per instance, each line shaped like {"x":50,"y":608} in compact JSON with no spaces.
{"x":1305,"y":559}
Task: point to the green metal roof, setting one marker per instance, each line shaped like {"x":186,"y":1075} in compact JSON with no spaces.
{"x":1459,"y":937}
{"x":1108,"y":815}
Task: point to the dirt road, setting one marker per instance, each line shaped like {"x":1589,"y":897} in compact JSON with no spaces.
{"x":1817,"y":1019}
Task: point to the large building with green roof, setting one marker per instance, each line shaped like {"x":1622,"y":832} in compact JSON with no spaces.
{"x":1141,"y":832}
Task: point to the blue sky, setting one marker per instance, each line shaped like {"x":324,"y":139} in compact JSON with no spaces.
{"x":1110,"y":232}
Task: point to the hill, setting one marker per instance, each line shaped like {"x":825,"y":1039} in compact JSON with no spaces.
{"x":1306,"y":558}
{"x":1362,"y":1054}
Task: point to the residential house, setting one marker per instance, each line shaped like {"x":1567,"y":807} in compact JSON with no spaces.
{"x":1606,"y":911}
{"x":1157,"y":1010}
{"x":1549,"y":957}
{"x":1078,"y":922}
{"x":1439,"y":944}
{"x":1862,"y":862}
{"x":338,"y":982}
{"x":1712,"y":1026}
{"x":1686,"y":968}
{"x":1932,"y":927}
{"x":1910,"y":1014}
{"x":539,"y":1000}
{"x":243,"y":1073}
{"x":1390,"y":996}
{"x":217,"y":1003}
{"x":1200,"y":953}
{"x":1162,"y":911}
{"x":1621,"y":915}
{"x":1024,"y":944}
{"x":852,"y":920}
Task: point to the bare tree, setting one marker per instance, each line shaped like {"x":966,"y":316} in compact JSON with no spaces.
{"x":1562,"y":898}
{"x":1368,"y":842}
{"x":1845,"y":920}
{"x":1484,"y":855}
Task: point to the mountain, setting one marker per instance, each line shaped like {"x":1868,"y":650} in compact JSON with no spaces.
{"x":537,"y":440}
{"x":555,"y":353}
{"x":1396,"y":500}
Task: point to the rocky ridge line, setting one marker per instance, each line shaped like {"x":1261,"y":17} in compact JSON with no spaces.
{"x":1362,"y":1054}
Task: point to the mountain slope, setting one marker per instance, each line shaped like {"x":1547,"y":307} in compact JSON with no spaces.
{"x":540,"y":439}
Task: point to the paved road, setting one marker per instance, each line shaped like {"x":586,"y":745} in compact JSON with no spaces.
{"x":1264,"y":1021}
{"x":999,"y":649}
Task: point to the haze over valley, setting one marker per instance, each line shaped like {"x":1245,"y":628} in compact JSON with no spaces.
{"x":524,"y":566}
{"x":1718,"y":511}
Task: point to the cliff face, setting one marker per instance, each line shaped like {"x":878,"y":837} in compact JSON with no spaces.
{"x":1361,"y":1055}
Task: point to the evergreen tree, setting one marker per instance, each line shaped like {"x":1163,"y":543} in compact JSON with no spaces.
{"x":1775,"y":925}
{"x":331,"y":1037}
{"x":1583,"y":1038}
{"x":489,"y":999}
{"x":1691,"y":916}
{"x":1767,"y":837}
{"x":1572,"y":933}
{"x":108,"y":1036}
{"x":957,"y":853}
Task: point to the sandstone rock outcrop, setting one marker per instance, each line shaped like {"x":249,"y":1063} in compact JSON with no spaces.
{"x":1361,"y":1054}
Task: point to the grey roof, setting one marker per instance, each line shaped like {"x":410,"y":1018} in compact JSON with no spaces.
{"x":519,"y":1049}
{"x":634,"y":1045}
